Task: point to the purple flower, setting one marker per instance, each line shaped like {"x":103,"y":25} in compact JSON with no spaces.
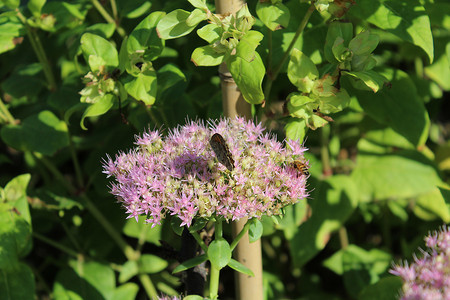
{"x":165,"y":297}
{"x":180,"y":174}
{"x":428,"y":277}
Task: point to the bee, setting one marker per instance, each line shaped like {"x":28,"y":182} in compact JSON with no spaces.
{"x":301,"y":167}
{"x":221,"y":150}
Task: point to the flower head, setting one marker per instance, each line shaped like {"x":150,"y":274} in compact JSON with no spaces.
{"x":181,"y":175}
{"x":428,"y":277}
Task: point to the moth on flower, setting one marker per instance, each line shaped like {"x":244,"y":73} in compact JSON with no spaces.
{"x":221,"y":150}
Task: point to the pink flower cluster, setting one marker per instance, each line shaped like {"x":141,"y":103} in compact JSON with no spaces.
{"x":429,"y":277}
{"x":180,"y":174}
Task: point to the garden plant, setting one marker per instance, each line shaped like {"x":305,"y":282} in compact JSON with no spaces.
{"x":193,"y":149}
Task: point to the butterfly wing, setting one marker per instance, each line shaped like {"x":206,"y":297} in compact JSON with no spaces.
{"x":221,"y":150}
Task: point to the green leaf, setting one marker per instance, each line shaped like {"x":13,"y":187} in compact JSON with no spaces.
{"x":17,"y":283}
{"x":143,"y":87}
{"x":190,"y":263}
{"x":370,"y":79}
{"x":247,"y":45}
{"x":248,"y":77}
{"x":386,"y":288}
{"x":197,"y":15}
{"x":302,"y":71}
{"x":135,"y":9}
{"x":35,"y":7}
{"x":439,"y":71}
{"x":293,"y":216}
{"x":25,"y":81}
{"x":296,"y":129}
{"x":237,"y":266}
{"x":175,"y":223}
{"x":151,"y":264}
{"x":334,"y":103}
{"x":103,"y":104}
{"x":408,"y":22}
{"x":432,"y":205}
{"x":193,"y":297}
{"x":16,"y":195}
{"x":144,"y":38}
{"x":255,"y":230}
{"x":207,"y":56}
{"x":168,"y":76}
{"x":364,"y":43}
{"x":124,"y":58}
{"x":199,"y":4}
{"x":378,"y":259}
{"x":334,"y":202}
{"x":337,"y":30}
{"x":300,"y":106}
{"x":43,"y":133}
{"x":199,"y":224}
{"x":99,"y":53}
{"x":129,"y":269}
{"x":174,"y":25}
{"x":219,"y":253}
{"x":143,"y":231}
{"x":274,"y":16}
{"x":126,"y":291}
{"x":398,"y":107}
{"x":90,"y":280}
{"x":340,"y":52}
{"x":385,"y":136}
{"x":105,"y":30}
{"x":10,"y":33}
{"x":15,"y":234}
{"x":210,"y":33}
{"x":359,"y":267}
{"x":11,"y":4}
{"x":404,"y":174}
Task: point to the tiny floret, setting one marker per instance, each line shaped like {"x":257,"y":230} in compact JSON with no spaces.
{"x":180,"y":174}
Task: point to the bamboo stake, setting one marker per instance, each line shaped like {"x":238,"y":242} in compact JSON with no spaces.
{"x":234,"y":105}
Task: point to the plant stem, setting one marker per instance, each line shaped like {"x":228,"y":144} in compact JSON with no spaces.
{"x":270,"y":48}
{"x":215,"y":272}
{"x":418,"y":64}
{"x":59,"y":176}
{"x":218,"y":230}
{"x":148,"y":286}
{"x":325,"y":156}
{"x":343,"y":237}
{"x":126,"y":249}
{"x":199,"y":240}
{"x":114,"y":9}
{"x":58,"y":246}
{"x":108,"y":18}
{"x":5,"y":114}
{"x":153,"y":117}
{"x":214,"y":282}
{"x":76,"y":163}
{"x":239,"y":236}
{"x":40,"y":53}
{"x":273,"y":75}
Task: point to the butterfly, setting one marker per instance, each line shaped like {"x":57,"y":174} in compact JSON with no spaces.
{"x":301,"y":167}
{"x":221,"y":150}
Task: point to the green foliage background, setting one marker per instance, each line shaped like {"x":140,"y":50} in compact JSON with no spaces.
{"x":379,"y":171}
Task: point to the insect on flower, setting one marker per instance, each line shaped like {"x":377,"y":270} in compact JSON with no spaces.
{"x":221,"y":150}
{"x":301,"y":167}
